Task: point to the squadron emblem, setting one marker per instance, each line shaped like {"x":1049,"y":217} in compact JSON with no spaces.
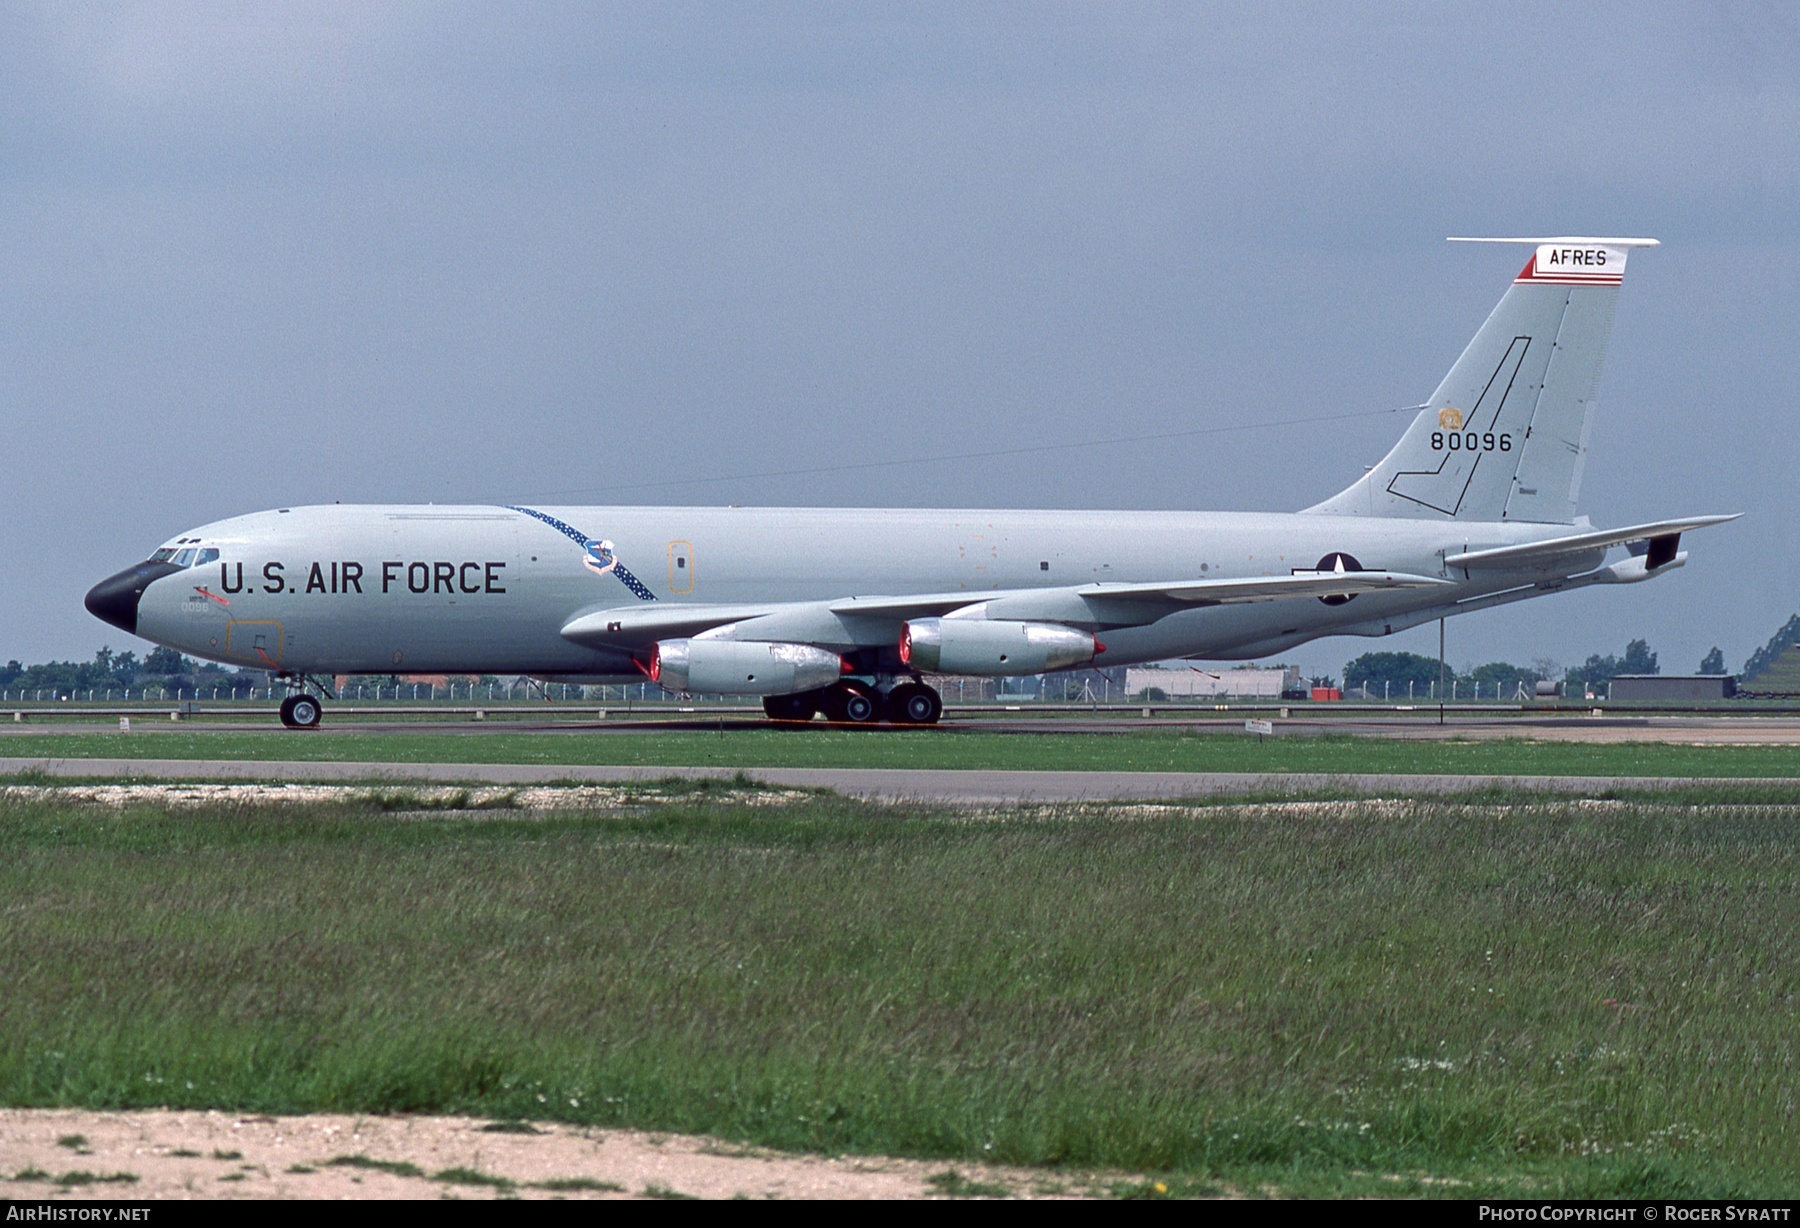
{"x":599,"y":558}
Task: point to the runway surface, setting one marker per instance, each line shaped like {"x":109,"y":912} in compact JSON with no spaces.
{"x":886,"y":784}
{"x":1685,"y":729}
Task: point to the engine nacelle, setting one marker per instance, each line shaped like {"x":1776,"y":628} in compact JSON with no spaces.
{"x":980,"y":646}
{"x":742,"y":667}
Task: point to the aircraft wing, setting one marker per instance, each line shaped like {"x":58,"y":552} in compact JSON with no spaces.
{"x":922,"y":605}
{"x":659,"y":621}
{"x":1264,"y":588}
{"x":1529,"y":554}
{"x":874,"y":619}
{"x":1185,"y":592}
{"x":644,"y":622}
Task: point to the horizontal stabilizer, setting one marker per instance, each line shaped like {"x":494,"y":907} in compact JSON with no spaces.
{"x":1532,"y":553}
{"x":1563,"y":240}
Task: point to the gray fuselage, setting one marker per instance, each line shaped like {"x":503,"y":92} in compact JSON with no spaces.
{"x":489,"y":589}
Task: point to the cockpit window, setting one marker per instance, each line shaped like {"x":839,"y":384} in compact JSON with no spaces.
{"x":183,"y":555}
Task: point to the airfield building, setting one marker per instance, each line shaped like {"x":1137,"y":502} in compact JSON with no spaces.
{"x":1642,"y":688}
{"x":1199,"y":682}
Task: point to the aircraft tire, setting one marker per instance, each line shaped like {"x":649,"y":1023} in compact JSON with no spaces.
{"x":914,"y":703}
{"x":791,"y":708}
{"x":852,"y":703}
{"x":301,"y":712}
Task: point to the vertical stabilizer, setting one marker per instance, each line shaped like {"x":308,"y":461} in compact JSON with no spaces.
{"x":1505,"y":434}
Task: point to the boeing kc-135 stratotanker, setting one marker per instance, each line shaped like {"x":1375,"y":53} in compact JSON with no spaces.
{"x":845,"y":611}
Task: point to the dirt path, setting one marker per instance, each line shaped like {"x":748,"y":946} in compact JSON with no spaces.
{"x":170,"y":1154}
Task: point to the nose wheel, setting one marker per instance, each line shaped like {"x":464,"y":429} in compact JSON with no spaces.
{"x":301,"y":712}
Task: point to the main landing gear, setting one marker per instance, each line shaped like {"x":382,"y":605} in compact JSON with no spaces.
{"x":853,"y":702}
{"x":914,"y":703}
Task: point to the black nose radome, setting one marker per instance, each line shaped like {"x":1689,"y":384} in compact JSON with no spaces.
{"x":115,"y":599}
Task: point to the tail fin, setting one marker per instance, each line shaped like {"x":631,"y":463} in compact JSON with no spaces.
{"x":1505,"y":435}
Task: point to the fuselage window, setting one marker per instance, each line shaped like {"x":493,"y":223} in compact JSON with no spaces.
{"x":208,"y":555}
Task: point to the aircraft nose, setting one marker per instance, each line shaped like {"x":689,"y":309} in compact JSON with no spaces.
{"x":115,"y":599}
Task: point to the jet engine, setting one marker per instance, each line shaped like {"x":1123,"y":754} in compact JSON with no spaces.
{"x":742,"y":667}
{"x":978,"y":646}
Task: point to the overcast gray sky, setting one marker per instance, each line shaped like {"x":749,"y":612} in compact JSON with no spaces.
{"x":260,"y":255}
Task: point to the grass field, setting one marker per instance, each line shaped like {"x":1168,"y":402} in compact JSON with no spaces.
{"x":1148,"y":750}
{"x":1420,"y":997}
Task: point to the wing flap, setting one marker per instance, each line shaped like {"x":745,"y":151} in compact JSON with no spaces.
{"x":919,"y":605}
{"x":1265,"y":588}
{"x":1529,"y":553}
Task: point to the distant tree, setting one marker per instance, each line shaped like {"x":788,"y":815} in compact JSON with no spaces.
{"x":1395,"y":670}
{"x":165,"y":661}
{"x":1500,"y":679}
{"x":1764,"y":657}
{"x":1638,"y":659}
{"x":63,"y":678}
{"x":1595,"y":670}
{"x":125,"y":668}
{"x":110,"y":671}
{"x":1713,"y":662}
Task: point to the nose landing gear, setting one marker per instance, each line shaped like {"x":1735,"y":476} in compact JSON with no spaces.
{"x":301,"y":712}
{"x":302,"y":709}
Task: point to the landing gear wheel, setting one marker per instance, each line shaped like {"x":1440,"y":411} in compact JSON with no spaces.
{"x":301,"y":712}
{"x":914,"y":703}
{"x":853,"y":703}
{"x":791,"y":707}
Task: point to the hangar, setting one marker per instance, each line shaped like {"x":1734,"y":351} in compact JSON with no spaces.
{"x":1631,"y":688}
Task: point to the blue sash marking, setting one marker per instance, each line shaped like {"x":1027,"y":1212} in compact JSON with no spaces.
{"x":600,"y":559}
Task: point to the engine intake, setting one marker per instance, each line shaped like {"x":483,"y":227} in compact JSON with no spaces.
{"x":742,"y":667}
{"x":979,"y":646}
